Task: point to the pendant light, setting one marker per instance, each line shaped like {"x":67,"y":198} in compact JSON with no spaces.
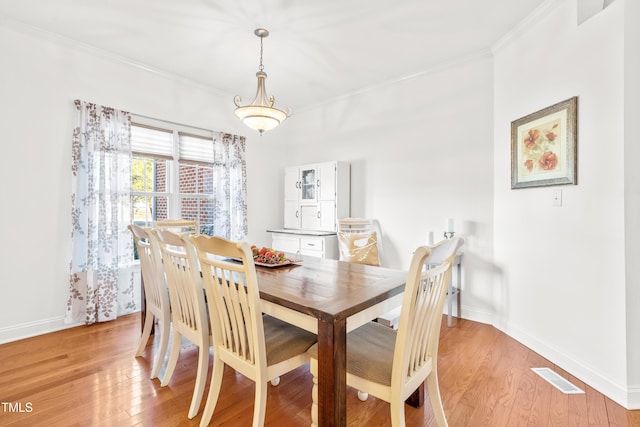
{"x":260,"y":114}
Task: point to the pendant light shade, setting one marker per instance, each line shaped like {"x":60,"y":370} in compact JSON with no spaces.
{"x":260,"y":114}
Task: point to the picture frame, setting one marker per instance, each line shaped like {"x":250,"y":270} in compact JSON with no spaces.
{"x":544,"y":146}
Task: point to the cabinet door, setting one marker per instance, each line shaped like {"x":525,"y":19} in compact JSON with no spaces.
{"x":309,"y":217}
{"x":327,"y":210}
{"x":308,"y":184}
{"x":327,"y":181}
{"x":291,"y":214}
{"x":291,"y":183}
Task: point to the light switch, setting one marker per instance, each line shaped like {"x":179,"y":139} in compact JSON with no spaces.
{"x":557,"y":198}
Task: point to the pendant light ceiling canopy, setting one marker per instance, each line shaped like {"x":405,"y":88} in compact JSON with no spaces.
{"x":260,"y":114}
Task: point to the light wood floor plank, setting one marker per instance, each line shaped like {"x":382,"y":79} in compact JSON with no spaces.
{"x":88,"y":376}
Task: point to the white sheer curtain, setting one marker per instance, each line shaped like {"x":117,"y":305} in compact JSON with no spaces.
{"x":230,"y":187}
{"x":101,"y":280}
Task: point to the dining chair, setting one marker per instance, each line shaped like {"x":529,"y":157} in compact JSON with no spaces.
{"x":262,"y":348}
{"x":156,"y":294}
{"x":390,"y":364}
{"x":443,"y":251}
{"x":179,"y":226}
{"x":188,"y":308}
{"x":358,"y":241}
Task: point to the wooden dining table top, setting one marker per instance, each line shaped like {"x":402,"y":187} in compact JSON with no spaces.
{"x":330,"y":298}
{"x":329,"y":289}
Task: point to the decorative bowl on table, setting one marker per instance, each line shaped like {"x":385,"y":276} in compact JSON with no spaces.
{"x":267,"y":257}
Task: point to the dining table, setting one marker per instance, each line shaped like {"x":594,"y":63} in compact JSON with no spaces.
{"x":331,"y":298}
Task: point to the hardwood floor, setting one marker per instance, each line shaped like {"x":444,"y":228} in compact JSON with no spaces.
{"x":87,"y":376}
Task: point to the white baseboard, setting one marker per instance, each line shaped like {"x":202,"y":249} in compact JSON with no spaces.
{"x":476,"y":315}
{"x":31,"y":329}
{"x":628,"y":397}
{"x":634,"y":398}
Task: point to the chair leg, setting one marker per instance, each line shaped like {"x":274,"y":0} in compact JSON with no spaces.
{"x":162,"y":350}
{"x":434,"y":397}
{"x":397,"y":412}
{"x":173,"y":358}
{"x":214,"y":391}
{"x":313,"y":367}
{"x":201,"y":379}
{"x":260,"y":405}
{"x":146,"y":333}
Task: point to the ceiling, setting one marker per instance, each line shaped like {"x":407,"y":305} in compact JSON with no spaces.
{"x":317,"y":50}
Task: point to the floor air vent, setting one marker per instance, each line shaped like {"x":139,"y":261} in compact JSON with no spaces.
{"x":557,"y":381}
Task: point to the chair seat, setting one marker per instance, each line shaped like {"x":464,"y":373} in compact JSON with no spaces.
{"x":283,"y":340}
{"x":369,"y":352}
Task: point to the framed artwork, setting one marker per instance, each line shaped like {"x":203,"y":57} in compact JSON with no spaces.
{"x":544,"y":146}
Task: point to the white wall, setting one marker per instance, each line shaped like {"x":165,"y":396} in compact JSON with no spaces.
{"x":562,"y":291}
{"x":632,"y":193}
{"x":420,"y":151}
{"x":40,"y":77}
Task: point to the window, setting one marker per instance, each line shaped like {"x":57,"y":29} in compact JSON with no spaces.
{"x":172,"y":174}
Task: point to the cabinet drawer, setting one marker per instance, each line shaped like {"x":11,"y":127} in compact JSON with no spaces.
{"x":311,"y":244}
{"x":285,"y":243}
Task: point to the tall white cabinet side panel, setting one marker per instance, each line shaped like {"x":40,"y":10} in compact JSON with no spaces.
{"x":343,"y":191}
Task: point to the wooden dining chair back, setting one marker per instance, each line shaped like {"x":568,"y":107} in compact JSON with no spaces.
{"x":390,"y":364}
{"x":259,"y":347}
{"x":181,"y":225}
{"x":444,"y":251}
{"x":358,"y":241}
{"x":156,"y":295}
{"x":188,"y":308}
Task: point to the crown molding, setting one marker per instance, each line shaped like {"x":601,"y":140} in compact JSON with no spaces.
{"x":94,"y":51}
{"x":443,"y":66}
{"x":525,"y":24}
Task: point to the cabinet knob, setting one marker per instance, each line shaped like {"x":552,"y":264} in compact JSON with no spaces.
{"x":318,"y":183}
{"x":318,"y":214}
{"x":297,"y":214}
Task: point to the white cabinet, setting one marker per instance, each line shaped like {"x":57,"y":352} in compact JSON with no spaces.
{"x":308,"y":243}
{"x":316,"y":196}
{"x":285,"y":243}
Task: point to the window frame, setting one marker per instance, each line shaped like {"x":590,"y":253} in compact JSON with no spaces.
{"x":174,"y":196}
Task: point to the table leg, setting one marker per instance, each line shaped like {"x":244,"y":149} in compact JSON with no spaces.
{"x":332,"y":373}
{"x":417,"y":397}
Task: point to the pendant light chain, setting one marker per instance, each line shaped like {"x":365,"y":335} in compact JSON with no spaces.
{"x":261,"y":68}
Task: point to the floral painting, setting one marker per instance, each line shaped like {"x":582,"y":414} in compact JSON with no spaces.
{"x":543,"y":147}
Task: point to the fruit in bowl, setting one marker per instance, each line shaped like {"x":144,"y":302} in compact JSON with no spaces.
{"x":267,"y":255}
